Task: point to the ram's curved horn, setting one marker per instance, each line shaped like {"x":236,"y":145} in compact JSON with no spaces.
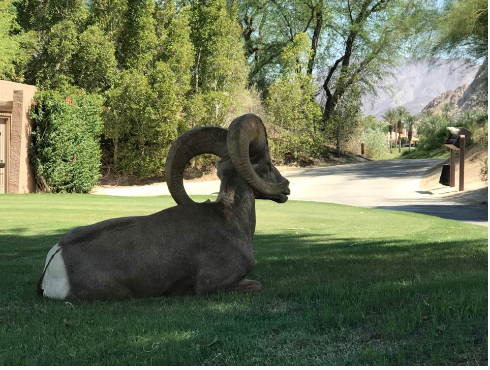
{"x":200,"y":140}
{"x":247,"y":138}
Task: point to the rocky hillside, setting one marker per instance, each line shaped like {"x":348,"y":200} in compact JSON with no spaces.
{"x":476,"y":95}
{"x":467,"y":96}
{"x":447,"y":100}
{"x":416,"y":84}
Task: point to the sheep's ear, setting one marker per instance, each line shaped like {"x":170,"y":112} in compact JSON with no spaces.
{"x":200,"y":140}
{"x":247,"y":137}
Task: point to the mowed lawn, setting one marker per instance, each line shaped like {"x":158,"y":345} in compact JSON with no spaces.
{"x":340,"y":286}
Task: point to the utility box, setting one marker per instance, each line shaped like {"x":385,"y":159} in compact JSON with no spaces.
{"x":445,"y":175}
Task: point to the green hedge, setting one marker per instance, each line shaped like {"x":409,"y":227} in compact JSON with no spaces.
{"x":65,"y":149}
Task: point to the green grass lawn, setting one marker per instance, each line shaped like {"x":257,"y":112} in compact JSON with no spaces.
{"x":340,"y":286}
{"x":419,"y":153}
{"x":395,"y":154}
{"x":415,"y":153}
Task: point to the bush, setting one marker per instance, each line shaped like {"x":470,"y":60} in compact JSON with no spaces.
{"x":294,"y":117}
{"x":477,"y":123}
{"x":434,"y":132}
{"x":375,"y":141}
{"x":65,"y":149}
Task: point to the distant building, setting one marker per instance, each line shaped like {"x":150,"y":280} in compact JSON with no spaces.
{"x":16,"y":175}
{"x":403,"y":134}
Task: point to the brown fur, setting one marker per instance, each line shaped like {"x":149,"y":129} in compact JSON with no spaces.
{"x":198,"y":247}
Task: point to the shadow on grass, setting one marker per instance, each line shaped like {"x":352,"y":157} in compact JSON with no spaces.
{"x":318,"y":260}
{"x":458,"y":212}
{"x":311,"y":259}
{"x":325,"y":300}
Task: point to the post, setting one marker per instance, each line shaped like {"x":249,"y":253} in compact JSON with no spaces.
{"x":362,"y":148}
{"x":452,"y":169}
{"x":462,"y":141}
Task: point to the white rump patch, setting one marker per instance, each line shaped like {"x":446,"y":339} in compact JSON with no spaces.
{"x":55,"y":283}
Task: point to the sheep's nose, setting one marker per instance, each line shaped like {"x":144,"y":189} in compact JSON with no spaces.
{"x":286,"y":190}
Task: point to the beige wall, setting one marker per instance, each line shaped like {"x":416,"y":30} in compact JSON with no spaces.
{"x":20,"y":132}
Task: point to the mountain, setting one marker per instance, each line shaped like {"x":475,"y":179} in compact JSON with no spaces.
{"x":467,"y":96}
{"x":448,"y":99}
{"x":476,"y":95}
{"x":417,"y":83}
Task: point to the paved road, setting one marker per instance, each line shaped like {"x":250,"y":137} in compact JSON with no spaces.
{"x":390,"y":184}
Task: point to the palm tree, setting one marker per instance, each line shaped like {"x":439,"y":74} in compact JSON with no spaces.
{"x":410,"y":120}
{"x":390,"y":116}
{"x":402,"y":113}
{"x":446,"y":110}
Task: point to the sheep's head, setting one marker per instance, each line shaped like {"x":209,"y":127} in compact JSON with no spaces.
{"x":244,"y":143}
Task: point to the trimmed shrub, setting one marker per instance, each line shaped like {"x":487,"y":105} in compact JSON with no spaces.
{"x":65,"y":149}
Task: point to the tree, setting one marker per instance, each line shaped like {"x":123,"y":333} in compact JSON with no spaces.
{"x":372,"y":34}
{"x":16,"y":46}
{"x":176,"y":49}
{"x":411,"y":120}
{"x":138,"y":38}
{"x":109,"y":16}
{"x":50,"y":68}
{"x":401,"y":113}
{"x":216,"y":35}
{"x":295,"y":114}
{"x":391,"y":117}
{"x":219,"y":73}
{"x":67,"y":58}
{"x":142,"y":119}
{"x":269,"y":26}
{"x":460,"y":29}
{"x":354,"y":43}
{"x":41,"y":15}
{"x":346,"y":118}
{"x":93,"y":65}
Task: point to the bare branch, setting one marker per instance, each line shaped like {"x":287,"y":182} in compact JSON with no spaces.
{"x":350,"y":11}
{"x":378,"y":6}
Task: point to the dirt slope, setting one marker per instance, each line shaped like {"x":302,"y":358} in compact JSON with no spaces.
{"x":476,"y":190}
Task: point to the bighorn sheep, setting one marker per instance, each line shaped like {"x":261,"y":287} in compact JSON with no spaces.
{"x":191,"y":247}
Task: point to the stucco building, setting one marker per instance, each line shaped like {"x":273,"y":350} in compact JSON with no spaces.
{"x":15,"y":131}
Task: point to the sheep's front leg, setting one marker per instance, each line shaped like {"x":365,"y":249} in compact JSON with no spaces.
{"x":246,"y":286}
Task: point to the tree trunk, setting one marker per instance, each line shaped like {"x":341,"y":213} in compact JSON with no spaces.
{"x":315,"y":38}
{"x":329,"y":107}
{"x":389,"y":141}
{"x":197,"y":70}
{"x":338,"y":140}
{"x":116,"y":154}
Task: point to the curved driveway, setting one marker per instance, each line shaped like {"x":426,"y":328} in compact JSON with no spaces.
{"x":392,"y":184}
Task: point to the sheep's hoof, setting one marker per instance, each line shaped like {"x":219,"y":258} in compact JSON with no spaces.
{"x":246,"y":286}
